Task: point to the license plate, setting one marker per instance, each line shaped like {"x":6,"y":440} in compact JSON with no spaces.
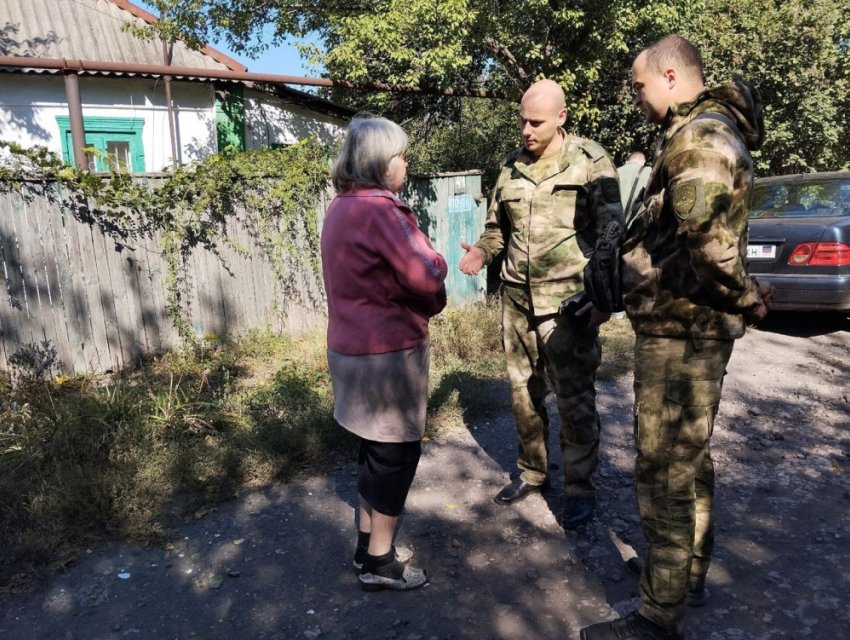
{"x":761,"y":251}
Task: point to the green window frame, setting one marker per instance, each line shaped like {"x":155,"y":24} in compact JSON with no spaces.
{"x":103,"y":133}
{"x":230,"y":117}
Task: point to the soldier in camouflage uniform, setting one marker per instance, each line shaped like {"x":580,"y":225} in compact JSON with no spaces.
{"x":688,"y":296}
{"x":553,"y":198}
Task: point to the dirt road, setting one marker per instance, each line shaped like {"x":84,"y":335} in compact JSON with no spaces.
{"x":275,"y":564}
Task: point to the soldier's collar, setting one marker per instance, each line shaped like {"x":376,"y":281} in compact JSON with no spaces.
{"x":526,"y":158}
{"x":679,"y":113}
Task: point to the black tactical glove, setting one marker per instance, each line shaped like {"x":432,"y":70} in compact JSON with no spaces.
{"x":602,"y":272}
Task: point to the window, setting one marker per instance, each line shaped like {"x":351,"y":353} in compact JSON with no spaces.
{"x":230,"y":117}
{"x":797,"y":198}
{"x":117,"y":141}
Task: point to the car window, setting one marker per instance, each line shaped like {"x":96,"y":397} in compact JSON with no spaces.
{"x":830,"y":198}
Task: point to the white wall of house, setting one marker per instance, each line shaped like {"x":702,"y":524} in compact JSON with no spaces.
{"x":270,"y":120}
{"x":29,"y":105}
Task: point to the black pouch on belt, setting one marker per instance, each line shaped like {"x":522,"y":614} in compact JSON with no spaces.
{"x":602,"y":271}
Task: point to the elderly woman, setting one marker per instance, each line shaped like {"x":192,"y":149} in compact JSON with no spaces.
{"x":383,"y":281}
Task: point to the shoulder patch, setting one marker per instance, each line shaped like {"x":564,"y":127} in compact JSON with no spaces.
{"x":594,"y":150}
{"x":688,"y":198}
{"x":610,"y":189}
{"x":684,"y":199}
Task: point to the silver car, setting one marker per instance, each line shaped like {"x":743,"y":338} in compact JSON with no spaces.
{"x":800,"y":239}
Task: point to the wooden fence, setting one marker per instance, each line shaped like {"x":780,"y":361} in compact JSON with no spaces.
{"x":100,"y":299}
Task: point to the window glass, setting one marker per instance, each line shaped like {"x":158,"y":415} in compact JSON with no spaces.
{"x":830,"y":198}
{"x":91,"y":158}
{"x":118,"y":155}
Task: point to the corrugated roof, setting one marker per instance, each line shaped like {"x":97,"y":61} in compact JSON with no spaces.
{"x":91,"y":30}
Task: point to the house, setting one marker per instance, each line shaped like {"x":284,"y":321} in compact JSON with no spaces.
{"x":126,"y":114}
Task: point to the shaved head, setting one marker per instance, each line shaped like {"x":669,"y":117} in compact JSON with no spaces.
{"x":542,"y":113}
{"x":548,"y":92}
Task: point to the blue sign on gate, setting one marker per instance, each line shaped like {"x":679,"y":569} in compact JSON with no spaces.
{"x":460,"y":203}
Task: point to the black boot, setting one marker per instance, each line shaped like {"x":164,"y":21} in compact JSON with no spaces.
{"x":517,"y":490}
{"x":632,"y":627}
{"x":577,"y":511}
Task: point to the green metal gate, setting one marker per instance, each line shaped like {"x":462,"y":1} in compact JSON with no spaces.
{"x":451,"y":209}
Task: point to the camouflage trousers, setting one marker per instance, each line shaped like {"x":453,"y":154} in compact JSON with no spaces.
{"x":539,"y":345}
{"x":678,"y":383}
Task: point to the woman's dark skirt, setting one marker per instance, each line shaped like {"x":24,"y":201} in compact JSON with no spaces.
{"x":385,"y":473}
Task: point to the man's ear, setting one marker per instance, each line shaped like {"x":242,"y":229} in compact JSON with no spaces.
{"x":670,"y":77}
{"x":562,"y":117}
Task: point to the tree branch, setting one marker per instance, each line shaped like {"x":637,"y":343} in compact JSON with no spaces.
{"x":500,"y":50}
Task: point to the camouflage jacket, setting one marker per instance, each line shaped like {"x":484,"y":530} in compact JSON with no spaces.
{"x":684,"y":264}
{"x":549,"y":226}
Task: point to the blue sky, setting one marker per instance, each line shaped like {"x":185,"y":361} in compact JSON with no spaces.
{"x":283,"y":60}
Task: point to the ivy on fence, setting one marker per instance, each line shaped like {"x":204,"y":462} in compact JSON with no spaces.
{"x":273,"y":193}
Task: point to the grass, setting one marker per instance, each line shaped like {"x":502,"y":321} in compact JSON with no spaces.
{"x":618,"y":353}
{"x":131,"y":455}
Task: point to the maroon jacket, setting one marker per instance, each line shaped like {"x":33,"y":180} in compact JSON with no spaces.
{"x":382,"y":277}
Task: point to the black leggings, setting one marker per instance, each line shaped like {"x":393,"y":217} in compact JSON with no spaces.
{"x":385,"y":473}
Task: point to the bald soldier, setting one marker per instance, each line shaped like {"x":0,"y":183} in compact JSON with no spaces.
{"x":552,"y":200}
{"x":688,"y":296}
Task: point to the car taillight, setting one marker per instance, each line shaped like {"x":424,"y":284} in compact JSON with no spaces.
{"x":833,"y":254}
{"x":802,"y":253}
{"x":821,"y":254}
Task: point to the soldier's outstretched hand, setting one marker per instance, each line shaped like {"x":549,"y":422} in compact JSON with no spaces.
{"x":472,"y":262}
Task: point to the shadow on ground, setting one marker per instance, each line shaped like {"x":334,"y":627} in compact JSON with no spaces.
{"x":275,"y":564}
{"x":805,"y":324}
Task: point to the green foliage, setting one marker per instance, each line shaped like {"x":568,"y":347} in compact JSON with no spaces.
{"x":442,"y":43}
{"x":278,"y":191}
{"x":468,"y":133}
{"x":795,"y":51}
{"x":468,"y":367}
{"x":128,"y":455}
{"x":174,"y":409}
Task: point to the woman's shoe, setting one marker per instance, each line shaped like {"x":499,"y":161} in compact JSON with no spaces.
{"x":395,"y":576}
{"x":402,"y":554}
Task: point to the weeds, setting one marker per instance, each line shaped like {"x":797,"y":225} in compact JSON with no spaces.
{"x":130,"y":455}
{"x":33,"y":363}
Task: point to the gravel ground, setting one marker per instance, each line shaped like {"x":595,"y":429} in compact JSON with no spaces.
{"x":275,"y":563}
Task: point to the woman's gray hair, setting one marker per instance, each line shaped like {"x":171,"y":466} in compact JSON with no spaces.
{"x":369,"y":150}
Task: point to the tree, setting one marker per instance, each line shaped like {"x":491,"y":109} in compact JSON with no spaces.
{"x":468,"y":134}
{"x":796,"y":51}
{"x":442,"y":43}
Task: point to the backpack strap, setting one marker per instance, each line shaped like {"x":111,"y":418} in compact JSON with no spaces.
{"x":719,"y":117}
{"x":709,"y":115}
{"x":630,"y":201}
